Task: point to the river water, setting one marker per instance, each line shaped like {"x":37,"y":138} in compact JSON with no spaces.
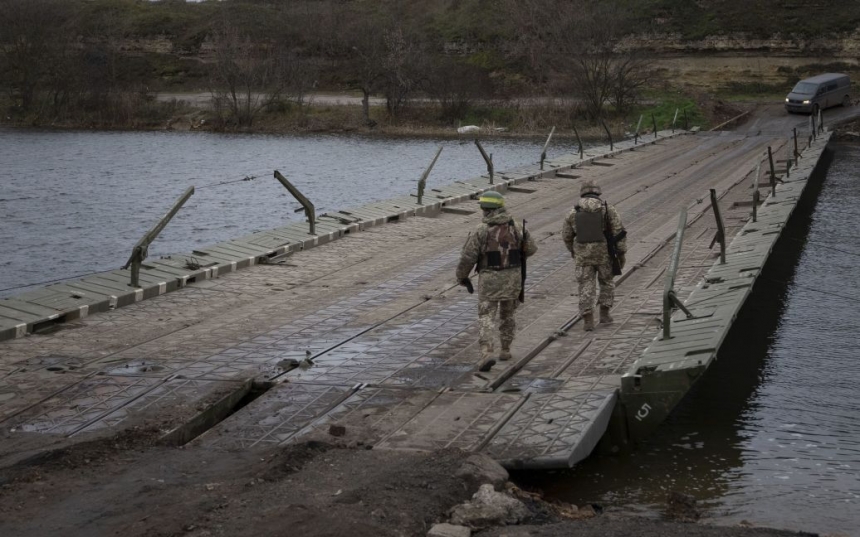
{"x":76,"y":202}
{"x":770,"y":436}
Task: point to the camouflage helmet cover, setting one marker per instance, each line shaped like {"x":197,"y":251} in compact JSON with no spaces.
{"x":589,"y":186}
{"x":491,"y":200}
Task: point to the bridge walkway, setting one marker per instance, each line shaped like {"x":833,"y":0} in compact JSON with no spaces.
{"x":391,"y":339}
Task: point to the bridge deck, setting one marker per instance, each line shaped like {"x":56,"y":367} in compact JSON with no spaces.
{"x":392,"y":340}
{"x":74,"y":299}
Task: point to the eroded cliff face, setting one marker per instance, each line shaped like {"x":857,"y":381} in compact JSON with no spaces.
{"x":837,"y":46}
{"x":711,"y":64}
{"x":844,"y":46}
{"x":200,"y":49}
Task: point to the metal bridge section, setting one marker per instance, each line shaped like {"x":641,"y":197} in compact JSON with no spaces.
{"x":372,"y":340}
{"x":671,"y":365}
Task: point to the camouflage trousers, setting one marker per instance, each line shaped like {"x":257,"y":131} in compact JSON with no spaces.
{"x":487,"y":312}
{"x":587,"y":276}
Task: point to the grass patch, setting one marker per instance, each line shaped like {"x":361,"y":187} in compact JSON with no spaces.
{"x":756,"y":91}
{"x":499,"y":116}
{"x":664,"y":111}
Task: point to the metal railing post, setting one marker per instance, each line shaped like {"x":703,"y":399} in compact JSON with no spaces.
{"x":543,"y":153}
{"x":812,"y":125}
{"x":487,"y":158}
{"x":654,"y":121}
{"x":141,"y":249}
{"x":579,"y":141}
{"x":674,"y":119}
{"x":721,"y":230}
{"x":820,"y":120}
{"x":671,"y":300}
{"x":306,"y":204}
{"x":638,"y":125}
{"x":609,"y":134}
{"x":796,"y":152}
{"x":756,"y":193}
{"x":422,"y":183}
{"x":772,"y":172}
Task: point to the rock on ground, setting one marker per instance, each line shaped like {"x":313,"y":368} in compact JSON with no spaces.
{"x":480,"y":469}
{"x":449,"y":530}
{"x":489,"y":508}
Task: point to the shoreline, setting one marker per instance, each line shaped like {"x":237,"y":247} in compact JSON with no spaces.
{"x":517,"y":118}
{"x":325,"y":486}
{"x":423,"y":131}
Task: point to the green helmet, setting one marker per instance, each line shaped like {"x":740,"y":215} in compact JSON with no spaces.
{"x":491,"y":200}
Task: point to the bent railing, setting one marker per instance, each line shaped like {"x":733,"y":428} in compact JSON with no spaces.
{"x":141,"y":249}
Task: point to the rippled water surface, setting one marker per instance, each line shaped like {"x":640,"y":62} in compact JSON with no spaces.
{"x":772,"y":433}
{"x":76,"y":202}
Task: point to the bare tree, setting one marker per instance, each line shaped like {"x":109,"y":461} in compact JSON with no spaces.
{"x":28,"y":40}
{"x":402,"y":69}
{"x":247,"y":75}
{"x":586,"y":38}
{"x":363,"y":61}
{"x":579,"y":43}
{"x":456,"y":86}
{"x":630,"y":75}
{"x":532,"y":24}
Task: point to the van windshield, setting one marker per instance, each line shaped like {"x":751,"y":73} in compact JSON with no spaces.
{"x":805,"y":88}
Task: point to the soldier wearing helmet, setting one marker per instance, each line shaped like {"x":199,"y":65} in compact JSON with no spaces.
{"x":495,"y":249}
{"x":585,"y":233}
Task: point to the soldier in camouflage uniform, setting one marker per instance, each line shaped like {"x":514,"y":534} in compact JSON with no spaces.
{"x":496,"y":247}
{"x":583,"y":234}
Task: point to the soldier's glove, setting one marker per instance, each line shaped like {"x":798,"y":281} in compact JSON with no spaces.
{"x":622,"y":260}
{"x":467,"y":283}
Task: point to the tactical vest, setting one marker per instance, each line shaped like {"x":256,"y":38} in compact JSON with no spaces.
{"x":502,"y":249}
{"x":589,"y":226}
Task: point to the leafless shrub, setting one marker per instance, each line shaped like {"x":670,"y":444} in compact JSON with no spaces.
{"x":249,"y":75}
{"x":456,"y":86}
{"x":361,"y":61}
{"x":31,"y":37}
{"x":578,"y":44}
{"x":629,"y":77}
{"x":403,"y":68}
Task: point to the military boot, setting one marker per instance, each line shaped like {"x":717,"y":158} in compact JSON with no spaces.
{"x":487,"y":360}
{"x":505,"y":355}
{"x":605,"y":318}
{"x":588,"y":321}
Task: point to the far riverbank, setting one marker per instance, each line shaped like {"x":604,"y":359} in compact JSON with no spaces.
{"x":333,"y":113}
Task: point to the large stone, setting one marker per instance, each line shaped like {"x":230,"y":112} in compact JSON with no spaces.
{"x":449,"y":530}
{"x":489,"y":508}
{"x":480,"y":469}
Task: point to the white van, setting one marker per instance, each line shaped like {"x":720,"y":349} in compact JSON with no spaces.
{"x":819,"y":92}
